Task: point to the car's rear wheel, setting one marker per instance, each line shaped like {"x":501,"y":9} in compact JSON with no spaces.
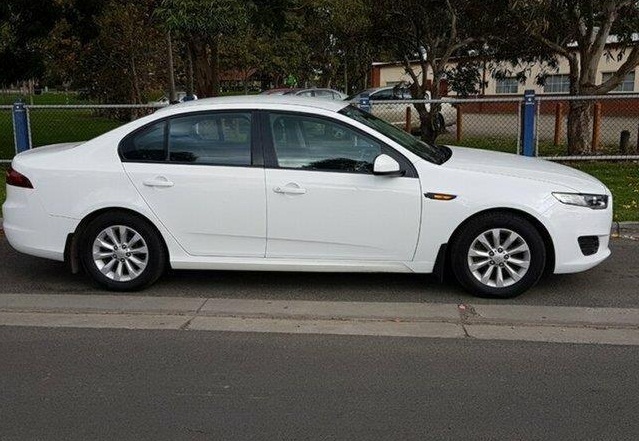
{"x":498,"y":255}
{"x":122,"y":252}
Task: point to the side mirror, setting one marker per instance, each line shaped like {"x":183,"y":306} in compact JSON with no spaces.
{"x":386,"y":166}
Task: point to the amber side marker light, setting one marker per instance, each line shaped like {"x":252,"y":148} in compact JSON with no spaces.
{"x":440,"y":196}
{"x":17,"y":179}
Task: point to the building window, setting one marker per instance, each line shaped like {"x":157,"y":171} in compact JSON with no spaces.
{"x":626,"y":85}
{"x":557,"y":84}
{"x":507,"y":85}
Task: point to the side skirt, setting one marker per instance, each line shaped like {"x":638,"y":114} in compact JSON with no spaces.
{"x":305,"y":265}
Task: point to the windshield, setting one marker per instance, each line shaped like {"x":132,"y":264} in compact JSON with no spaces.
{"x":436,"y":154}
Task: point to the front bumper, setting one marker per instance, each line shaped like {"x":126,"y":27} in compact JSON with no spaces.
{"x":566,"y":224}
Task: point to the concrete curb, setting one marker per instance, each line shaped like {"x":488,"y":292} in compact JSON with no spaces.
{"x":625,"y":229}
{"x":500,"y":322}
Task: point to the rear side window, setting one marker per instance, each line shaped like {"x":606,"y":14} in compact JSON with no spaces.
{"x":146,"y":144}
{"x":214,"y":139}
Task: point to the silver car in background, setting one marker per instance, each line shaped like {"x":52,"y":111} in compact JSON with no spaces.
{"x":395,"y":113}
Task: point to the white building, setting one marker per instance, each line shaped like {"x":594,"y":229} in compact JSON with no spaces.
{"x":392,"y":73}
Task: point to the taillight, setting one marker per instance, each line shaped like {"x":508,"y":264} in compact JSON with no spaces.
{"x":17,"y":179}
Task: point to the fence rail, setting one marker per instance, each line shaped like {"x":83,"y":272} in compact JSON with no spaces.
{"x":493,"y":123}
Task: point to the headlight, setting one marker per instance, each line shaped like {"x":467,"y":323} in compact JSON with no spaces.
{"x":594,"y":201}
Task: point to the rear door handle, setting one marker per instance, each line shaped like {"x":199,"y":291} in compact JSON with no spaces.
{"x":160,"y":181}
{"x":290,"y":189}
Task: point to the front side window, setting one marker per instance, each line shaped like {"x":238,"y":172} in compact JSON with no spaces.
{"x":310,"y":143}
{"x":146,"y":144}
{"x":211,"y":138}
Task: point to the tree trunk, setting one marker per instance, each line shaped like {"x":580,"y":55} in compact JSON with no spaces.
{"x":202,"y":71}
{"x":135,"y":82}
{"x":579,"y":127}
{"x":215,"y":66}
{"x":189,"y":82}
{"x":429,"y":122}
{"x":169,"y":47}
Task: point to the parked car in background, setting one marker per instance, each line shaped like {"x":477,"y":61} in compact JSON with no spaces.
{"x":308,"y":93}
{"x":195,"y":185}
{"x":181,"y":97}
{"x":395,"y":113}
{"x":319,"y":93}
{"x":279,"y":91}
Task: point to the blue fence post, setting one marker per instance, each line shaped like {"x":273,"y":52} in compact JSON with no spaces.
{"x":21,"y":129}
{"x":365,"y":102}
{"x":528,"y":115}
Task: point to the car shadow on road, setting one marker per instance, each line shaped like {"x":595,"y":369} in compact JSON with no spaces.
{"x":611,"y":284}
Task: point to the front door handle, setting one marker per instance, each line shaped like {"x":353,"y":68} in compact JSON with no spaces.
{"x":291,"y":188}
{"x":159,"y":181}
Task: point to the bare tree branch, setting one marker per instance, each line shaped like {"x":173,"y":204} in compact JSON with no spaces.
{"x":616,"y":78}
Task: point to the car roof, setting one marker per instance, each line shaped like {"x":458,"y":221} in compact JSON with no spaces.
{"x":256,"y":102}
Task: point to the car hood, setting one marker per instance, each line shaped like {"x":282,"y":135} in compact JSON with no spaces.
{"x":506,"y":164}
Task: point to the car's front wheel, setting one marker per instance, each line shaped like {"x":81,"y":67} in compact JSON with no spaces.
{"x":122,"y":252}
{"x":498,"y":255}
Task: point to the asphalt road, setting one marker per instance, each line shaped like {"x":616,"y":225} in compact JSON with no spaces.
{"x":108,"y":384}
{"x":615,"y":283}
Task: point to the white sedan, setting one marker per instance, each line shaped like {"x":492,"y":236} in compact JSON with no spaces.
{"x":294,"y":184}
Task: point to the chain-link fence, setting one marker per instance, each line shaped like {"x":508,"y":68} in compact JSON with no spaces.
{"x":51,"y":124}
{"x":608,"y":128}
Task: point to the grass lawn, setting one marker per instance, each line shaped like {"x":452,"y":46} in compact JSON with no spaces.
{"x":622,"y":178}
{"x":44,"y":98}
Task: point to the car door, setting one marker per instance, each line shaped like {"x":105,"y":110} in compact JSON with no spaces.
{"x":202,"y":175}
{"x":324,"y":201}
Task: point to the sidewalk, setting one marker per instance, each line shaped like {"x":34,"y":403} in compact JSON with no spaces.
{"x":486,"y":322}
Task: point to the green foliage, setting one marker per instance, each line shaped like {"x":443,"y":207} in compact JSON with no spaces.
{"x":623,"y":180}
{"x":465,"y":78}
{"x":24,"y":25}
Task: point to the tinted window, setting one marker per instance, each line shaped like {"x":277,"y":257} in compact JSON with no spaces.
{"x":405,"y":94}
{"x":384,"y":94}
{"x":214,"y":138}
{"x":306,"y":142}
{"x":145,"y":145}
{"x":324,"y":94}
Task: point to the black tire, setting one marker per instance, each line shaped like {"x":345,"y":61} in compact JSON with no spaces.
{"x":441,"y":123}
{"x":155,"y":252}
{"x":470,"y":232}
